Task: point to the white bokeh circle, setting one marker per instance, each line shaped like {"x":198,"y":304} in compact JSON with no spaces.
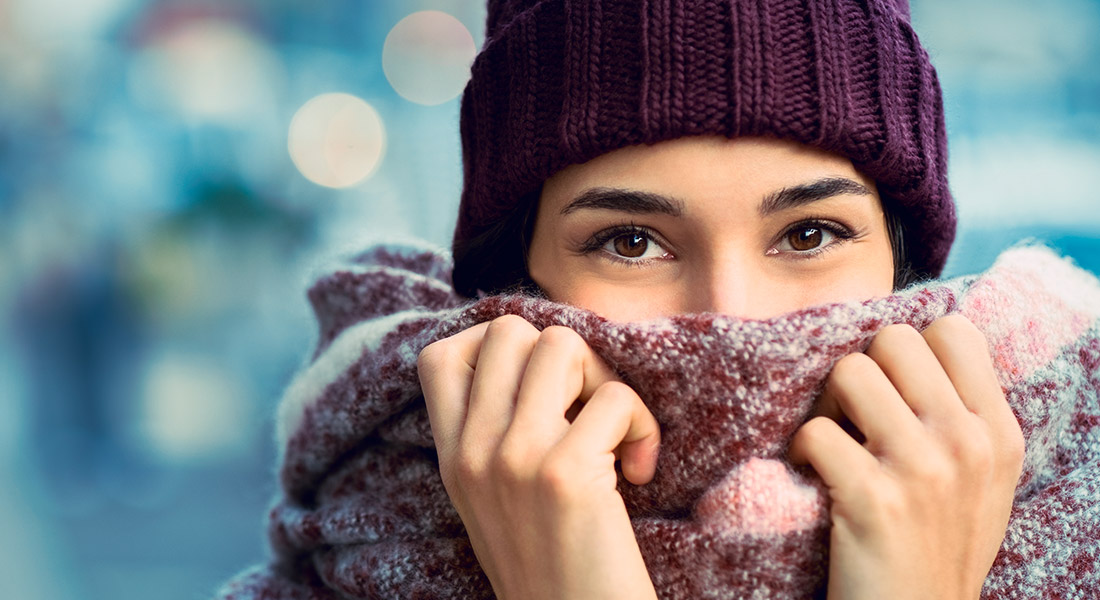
{"x":427,"y":56}
{"x":209,"y":70}
{"x":336,"y":140}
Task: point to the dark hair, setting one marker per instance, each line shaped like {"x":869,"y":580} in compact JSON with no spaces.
{"x":495,"y":262}
{"x":904,"y":275}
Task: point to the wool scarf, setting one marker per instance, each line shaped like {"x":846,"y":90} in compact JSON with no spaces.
{"x":362,"y":513}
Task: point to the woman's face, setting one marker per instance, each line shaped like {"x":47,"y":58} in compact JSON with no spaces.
{"x":750,"y":227}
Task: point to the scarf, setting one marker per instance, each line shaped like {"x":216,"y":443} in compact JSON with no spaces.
{"x":362,"y":512}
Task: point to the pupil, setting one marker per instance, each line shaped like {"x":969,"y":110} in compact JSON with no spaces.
{"x":806,"y":239}
{"x":631,"y":245}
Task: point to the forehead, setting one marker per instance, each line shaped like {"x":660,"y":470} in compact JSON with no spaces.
{"x":740,"y":170}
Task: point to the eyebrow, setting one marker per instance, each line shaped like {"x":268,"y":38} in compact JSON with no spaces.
{"x":802,"y":194}
{"x":638,"y":202}
{"x":628,"y":201}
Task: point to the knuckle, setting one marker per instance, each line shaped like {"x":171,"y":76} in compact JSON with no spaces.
{"x":618,"y":398}
{"x":460,"y":475}
{"x":468,"y":465}
{"x":813,"y":432}
{"x":886,"y":503}
{"x":555,"y":477}
{"x":957,"y":329}
{"x":983,"y":449}
{"x":434,"y":356}
{"x":561,"y":337}
{"x":615,"y":391}
{"x":509,"y":325}
{"x":853,"y":366}
{"x":958,"y":323}
{"x":876,"y":501}
{"x":974,"y":450}
{"x":813,"y":438}
{"x":934,"y":472}
{"x":512,"y":461}
{"x":898,"y":334}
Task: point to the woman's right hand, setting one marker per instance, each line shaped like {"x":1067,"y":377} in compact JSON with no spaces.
{"x":532,"y":478}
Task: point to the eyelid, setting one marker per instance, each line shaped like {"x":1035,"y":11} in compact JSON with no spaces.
{"x":598,"y":240}
{"x":838,"y":230}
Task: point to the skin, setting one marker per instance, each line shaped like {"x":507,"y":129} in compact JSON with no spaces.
{"x":704,"y":257}
{"x":913,"y":437}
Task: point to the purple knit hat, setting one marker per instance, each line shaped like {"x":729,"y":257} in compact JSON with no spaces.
{"x":560,"y":82}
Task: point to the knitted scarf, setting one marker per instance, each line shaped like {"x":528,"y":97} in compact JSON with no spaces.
{"x":362,"y":512}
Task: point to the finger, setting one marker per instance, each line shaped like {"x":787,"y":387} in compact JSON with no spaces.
{"x":963,"y":352}
{"x":506,"y":348}
{"x":446,"y":372}
{"x":829,"y":407}
{"x":562,"y":370}
{"x":904,"y":356}
{"x":616,"y":418}
{"x":834,"y":455}
{"x":858,"y":390}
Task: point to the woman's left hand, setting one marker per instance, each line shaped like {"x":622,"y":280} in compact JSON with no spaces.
{"x":922,"y":492}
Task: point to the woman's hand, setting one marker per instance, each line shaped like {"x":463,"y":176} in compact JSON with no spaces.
{"x":532,"y":478}
{"x":921,"y":493}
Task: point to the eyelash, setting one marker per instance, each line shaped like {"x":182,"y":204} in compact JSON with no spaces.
{"x":837,"y":230}
{"x":602,"y":237}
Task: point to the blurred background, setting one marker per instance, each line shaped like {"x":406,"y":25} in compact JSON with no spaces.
{"x":171,"y":172}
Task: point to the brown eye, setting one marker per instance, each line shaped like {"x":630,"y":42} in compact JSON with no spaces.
{"x":805,"y":238}
{"x":631,"y":245}
{"x":809,"y":239}
{"x":634,"y":246}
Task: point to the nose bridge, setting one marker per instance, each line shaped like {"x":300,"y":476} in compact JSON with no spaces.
{"x":728,"y":286}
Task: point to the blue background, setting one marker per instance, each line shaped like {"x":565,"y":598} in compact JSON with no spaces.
{"x":153,"y":257}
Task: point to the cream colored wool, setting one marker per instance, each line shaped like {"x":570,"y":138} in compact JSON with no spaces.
{"x":362,"y":513}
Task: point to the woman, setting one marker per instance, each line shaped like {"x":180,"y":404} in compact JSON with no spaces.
{"x":752,"y":227}
{"x":748,"y":226}
{"x":680,"y":181}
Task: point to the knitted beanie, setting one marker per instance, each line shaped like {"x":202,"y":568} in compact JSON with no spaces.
{"x":560,"y":82}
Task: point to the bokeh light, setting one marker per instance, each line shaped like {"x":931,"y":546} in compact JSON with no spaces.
{"x":55,"y":19}
{"x":189,"y":409}
{"x":427,"y":57}
{"x":207,"y":69}
{"x":336,"y":140}
{"x":155,"y":244}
